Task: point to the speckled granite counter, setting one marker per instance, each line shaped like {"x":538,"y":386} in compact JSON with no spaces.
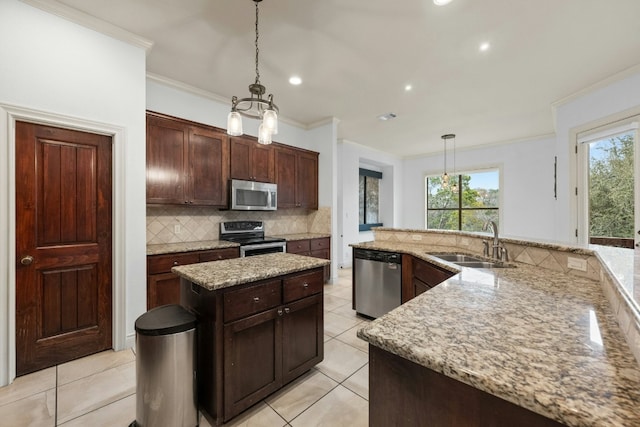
{"x":169,"y":248}
{"x":541,"y":339}
{"x":222,"y":274}
{"x":302,"y":236}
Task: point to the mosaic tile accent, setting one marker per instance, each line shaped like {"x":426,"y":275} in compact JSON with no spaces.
{"x":180,"y":224}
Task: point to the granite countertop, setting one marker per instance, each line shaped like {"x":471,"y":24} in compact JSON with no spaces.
{"x":302,"y":236}
{"x":216,"y":275}
{"x":541,"y":339}
{"x":170,"y":248}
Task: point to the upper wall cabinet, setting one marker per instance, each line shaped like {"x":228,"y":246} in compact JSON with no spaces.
{"x":252,"y":161}
{"x":297,"y":178}
{"x":187,"y":163}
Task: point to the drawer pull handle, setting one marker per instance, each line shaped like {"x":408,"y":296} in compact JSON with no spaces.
{"x":175,"y":263}
{"x":256,"y":299}
{"x":287,"y":310}
{"x":305,"y":285}
{"x":279,"y":312}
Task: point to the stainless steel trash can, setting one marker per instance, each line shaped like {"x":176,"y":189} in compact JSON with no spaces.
{"x":166,"y":368}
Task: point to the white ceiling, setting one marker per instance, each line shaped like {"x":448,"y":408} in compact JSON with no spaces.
{"x":355,"y":58}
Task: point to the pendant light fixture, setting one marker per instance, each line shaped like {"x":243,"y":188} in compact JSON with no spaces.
{"x":456,"y":178}
{"x":255,"y":106}
{"x":445,"y":176}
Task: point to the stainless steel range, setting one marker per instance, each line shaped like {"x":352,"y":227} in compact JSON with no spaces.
{"x":250,"y":236}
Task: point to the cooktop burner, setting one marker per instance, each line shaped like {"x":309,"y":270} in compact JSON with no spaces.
{"x":245,"y":233}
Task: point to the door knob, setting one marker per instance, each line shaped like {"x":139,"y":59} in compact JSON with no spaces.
{"x":27,"y":260}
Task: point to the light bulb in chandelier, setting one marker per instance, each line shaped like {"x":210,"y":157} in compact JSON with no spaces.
{"x":264,"y":135}
{"x":270,"y":120}
{"x":234,"y":124}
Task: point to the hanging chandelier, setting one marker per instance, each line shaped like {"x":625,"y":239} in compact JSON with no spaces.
{"x":445,"y":176}
{"x":255,"y":107}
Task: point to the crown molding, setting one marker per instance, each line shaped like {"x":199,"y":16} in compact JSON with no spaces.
{"x":91,"y":22}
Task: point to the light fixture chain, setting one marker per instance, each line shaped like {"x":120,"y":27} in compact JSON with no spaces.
{"x":257,"y":49}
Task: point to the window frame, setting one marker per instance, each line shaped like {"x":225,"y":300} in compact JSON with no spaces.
{"x":371,"y":174}
{"x":459,"y":208}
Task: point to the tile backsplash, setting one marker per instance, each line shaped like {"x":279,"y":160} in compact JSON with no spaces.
{"x":177,"y":224}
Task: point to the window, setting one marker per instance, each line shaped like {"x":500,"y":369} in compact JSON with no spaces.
{"x":369,"y":199}
{"x":468,"y":209}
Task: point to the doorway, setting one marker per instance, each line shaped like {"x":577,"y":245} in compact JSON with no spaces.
{"x":63,"y":202}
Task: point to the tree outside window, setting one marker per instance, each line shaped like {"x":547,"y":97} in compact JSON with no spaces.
{"x":475,"y":201}
{"x":369,"y":199}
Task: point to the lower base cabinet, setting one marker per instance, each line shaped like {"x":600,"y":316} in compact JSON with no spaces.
{"x":319,"y":247}
{"x":253,"y":339}
{"x":403,"y":393}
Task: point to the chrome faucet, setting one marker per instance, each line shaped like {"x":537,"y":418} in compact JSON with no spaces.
{"x":497,"y":250}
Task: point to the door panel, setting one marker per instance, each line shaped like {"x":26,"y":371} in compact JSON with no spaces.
{"x":63,"y":245}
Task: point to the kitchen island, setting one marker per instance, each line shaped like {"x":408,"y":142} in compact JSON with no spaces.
{"x":260,"y":326}
{"x":505,"y":346}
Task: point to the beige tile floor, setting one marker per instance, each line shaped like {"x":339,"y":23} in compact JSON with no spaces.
{"x":99,"y":390}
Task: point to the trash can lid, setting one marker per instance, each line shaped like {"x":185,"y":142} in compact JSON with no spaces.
{"x":165,"y":320}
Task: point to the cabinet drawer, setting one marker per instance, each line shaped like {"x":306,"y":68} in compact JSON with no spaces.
{"x":163,"y":263}
{"x":247,"y":301}
{"x":322,"y":243}
{"x":298,"y":246}
{"x":430,"y":274}
{"x":302,"y":285}
{"x":218,"y":254}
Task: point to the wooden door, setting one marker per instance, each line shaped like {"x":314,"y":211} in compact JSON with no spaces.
{"x":208,"y":167}
{"x":251,"y":161}
{"x":262,"y":162}
{"x":63,"y":245}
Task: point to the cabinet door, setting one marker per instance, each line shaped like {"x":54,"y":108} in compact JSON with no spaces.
{"x":251,"y":161}
{"x":208,"y":167}
{"x":302,"y":247}
{"x":166,"y":161}
{"x":163,"y":289}
{"x":303,"y":334}
{"x":429,"y":273}
{"x":286,"y":177}
{"x":307,"y":180}
{"x":252,"y":360}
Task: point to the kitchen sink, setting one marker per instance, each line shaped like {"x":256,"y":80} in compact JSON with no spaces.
{"x":457,"y":258}
{"x":471,"y":261}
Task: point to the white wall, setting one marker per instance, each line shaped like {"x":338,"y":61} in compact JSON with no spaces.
{"x":58,"y":68}
{"x":350,"y":157}
{"x":526,"y":185}
{"x":608,"y":102}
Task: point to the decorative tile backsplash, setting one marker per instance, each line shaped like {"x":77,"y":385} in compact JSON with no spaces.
{"x":177,"y":224}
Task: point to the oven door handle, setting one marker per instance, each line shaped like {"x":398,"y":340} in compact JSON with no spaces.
{"x":264,"y":246}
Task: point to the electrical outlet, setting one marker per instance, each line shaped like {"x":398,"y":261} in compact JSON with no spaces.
{"x":416,"y":237}
{"x":177,"y":229}
{"x":577,"y":263}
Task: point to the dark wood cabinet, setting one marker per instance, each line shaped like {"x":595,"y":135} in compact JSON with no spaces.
{"x":163,"y":287}
{"x":252,"y":161}
{"x":419,"y":276}
{"x":187,"y":163}
{"x":297,"y":178}
{"x":403,"y":393}
{"x":272,"y":332}
{"x":318,"y":248}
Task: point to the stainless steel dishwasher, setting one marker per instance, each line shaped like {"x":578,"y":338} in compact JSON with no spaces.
{"x":377,"y":281}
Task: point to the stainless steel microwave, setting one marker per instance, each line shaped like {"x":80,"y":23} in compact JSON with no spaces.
{"x":253,"y":196}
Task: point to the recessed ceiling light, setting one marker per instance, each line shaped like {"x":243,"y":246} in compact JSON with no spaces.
{"x":407,"y":88}
{"x":441,"y":2}
{"x":295,"y":80}
{"x":388,"y":116}
{"x":484,"y":46}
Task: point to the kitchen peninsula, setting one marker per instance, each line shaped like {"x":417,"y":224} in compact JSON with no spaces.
{"x":260,"y":326}
{"x":529,"y":345}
